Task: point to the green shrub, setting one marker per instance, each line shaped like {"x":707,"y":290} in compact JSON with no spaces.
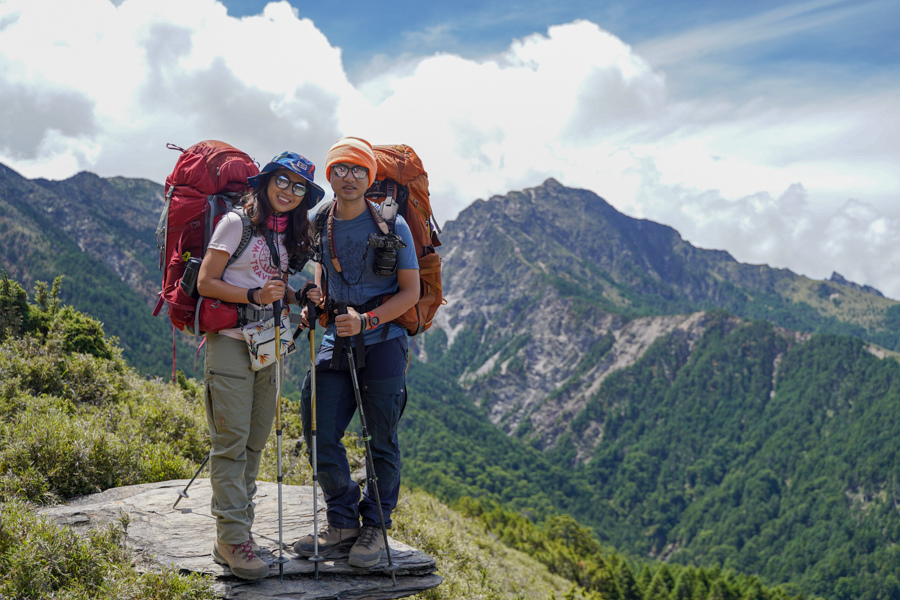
{"x":39,"y":559}
{"x":73,"y":456}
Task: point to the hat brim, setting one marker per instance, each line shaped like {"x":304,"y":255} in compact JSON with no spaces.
{"x":314,"y":195}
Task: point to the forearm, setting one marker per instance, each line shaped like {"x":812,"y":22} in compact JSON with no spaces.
{"x":220,"y":290}
{"x":397,"y":304}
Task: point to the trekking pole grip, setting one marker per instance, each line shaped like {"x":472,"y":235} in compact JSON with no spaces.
{"x":312,"y":310}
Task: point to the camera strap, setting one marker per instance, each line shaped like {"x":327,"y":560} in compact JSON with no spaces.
{"x":329,"y":231}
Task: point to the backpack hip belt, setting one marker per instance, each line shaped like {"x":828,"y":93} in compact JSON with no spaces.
{"x":252,"y":315}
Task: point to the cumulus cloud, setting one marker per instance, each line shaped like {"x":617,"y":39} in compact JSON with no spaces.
{"x":856,"y":239}
{"x":103,"y":86}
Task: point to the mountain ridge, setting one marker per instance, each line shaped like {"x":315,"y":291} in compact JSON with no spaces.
{"x":555,"y":278}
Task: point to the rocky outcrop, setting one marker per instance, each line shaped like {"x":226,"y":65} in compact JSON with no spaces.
{"x":182,"y":537}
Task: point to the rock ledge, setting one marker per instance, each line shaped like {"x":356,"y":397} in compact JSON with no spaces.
{"x":183,"y":538}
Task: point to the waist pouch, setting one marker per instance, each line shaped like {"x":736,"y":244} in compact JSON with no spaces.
{"x":261,"y":341}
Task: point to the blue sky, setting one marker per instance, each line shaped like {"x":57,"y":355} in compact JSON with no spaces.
{"x":860,"y":37}
{"x":768,"y":129}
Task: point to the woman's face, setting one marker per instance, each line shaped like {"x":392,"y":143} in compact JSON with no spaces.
{"x":284,"y":185}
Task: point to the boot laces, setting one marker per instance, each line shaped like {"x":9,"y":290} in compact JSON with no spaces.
{"x":325,"y":532}
{"x":368,"y":535}
{"x":246,"y":550}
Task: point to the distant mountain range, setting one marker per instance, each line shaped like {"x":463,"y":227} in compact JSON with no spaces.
{"x":684,"y":405}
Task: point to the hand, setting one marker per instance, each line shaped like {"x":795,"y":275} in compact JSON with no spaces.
{"x":349,"y":324}
{"x":273,"y":291}
{"x":315,"y":295}
{"x":304,"y":318}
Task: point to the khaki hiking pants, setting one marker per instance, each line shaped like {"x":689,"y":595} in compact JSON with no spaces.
{"x":240,"y":409}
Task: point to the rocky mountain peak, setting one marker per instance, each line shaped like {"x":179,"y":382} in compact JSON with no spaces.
{"x":552,"y":289}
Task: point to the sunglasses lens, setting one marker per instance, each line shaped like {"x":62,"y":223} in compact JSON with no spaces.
{"x":282,"y":182}
{"x":360,"y":172}
{"x":299,"y":189}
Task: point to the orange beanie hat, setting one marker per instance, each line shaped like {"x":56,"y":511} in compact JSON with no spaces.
{"x":352,"y":150}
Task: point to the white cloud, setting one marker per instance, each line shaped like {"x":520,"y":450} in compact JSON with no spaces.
{"x":102,"y":87}
{"x":856,"y":239}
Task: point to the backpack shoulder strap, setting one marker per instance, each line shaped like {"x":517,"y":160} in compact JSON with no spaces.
{"x":246,"y":234}
{"x":321,"y":218}
{"x":379,"y":219}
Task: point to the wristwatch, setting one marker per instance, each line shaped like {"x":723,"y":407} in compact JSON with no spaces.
{"x":373,"y":320}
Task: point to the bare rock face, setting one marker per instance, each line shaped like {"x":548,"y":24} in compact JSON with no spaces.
{"x":183,"y":538}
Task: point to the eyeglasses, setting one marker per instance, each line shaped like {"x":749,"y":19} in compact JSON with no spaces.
{"x":283,"y":182}
{"x":358,"y":172}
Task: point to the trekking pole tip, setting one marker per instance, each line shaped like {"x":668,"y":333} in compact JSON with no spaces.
{"x":181,"y":494}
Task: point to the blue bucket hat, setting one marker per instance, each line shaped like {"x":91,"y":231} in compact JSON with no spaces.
{"x":299,"y":165}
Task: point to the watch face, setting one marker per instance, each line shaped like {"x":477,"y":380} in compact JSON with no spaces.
{"x":374,"y":321}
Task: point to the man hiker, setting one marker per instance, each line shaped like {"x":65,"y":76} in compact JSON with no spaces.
{"x":360,"y":265}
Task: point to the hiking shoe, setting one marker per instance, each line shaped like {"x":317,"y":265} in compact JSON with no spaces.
{"x":366,"y":552}
{"x":240,"y":559}
{"x":258,"y":551}
{"x":333,"y":542}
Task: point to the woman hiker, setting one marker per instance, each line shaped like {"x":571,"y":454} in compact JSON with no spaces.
{"x":240,"y":402}
{"x":348,"y":276}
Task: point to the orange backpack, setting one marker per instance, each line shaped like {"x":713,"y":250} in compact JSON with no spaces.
{"x":401,"y":182}
{"x":401,"y":188}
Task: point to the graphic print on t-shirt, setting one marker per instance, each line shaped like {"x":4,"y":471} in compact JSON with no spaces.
{"x":263,"y":266}
{"x":352,"y":255}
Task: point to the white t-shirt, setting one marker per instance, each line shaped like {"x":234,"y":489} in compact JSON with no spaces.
{"x":254,"y":266}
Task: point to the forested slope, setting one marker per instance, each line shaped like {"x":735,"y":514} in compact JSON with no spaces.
{"x":756,"y":448}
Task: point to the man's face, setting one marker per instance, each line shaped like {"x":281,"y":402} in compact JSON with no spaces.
{"x":349,"y":186}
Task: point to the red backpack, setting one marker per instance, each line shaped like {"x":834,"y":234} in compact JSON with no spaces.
{"x":207,"y":182}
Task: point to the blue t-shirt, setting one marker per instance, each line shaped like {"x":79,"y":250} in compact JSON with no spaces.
{"x":357,"y":284}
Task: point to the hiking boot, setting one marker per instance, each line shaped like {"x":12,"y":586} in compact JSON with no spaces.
{"x":240,"y":559}
{"x":333,"y":542}
{"x":366,"y":552}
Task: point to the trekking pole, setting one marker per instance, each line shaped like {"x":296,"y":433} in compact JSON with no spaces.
{"x":277,"y":307}
{"x":370,"y":462}
{"x":310,"y":317}
{"x":183,"y":493}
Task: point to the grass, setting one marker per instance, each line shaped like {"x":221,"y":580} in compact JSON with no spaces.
{"x":473,"y":562}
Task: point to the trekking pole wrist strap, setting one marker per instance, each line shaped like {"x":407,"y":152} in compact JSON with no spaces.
{"x":251,"y":292}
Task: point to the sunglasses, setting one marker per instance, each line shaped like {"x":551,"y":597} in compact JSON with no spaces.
{"x":358,"y":172}
{"x":283,"y":182}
